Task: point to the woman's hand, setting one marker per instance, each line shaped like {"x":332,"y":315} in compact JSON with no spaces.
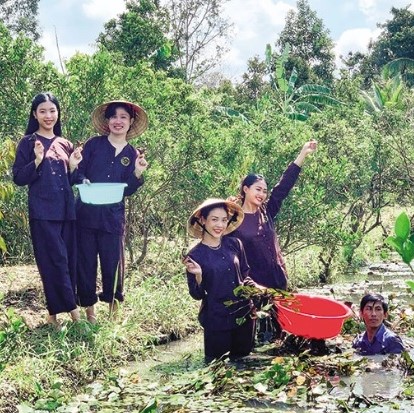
{"x":39,"y":152}
{"x":193,"y":268}
{"x":234,"y":198}
{"x":308,"y":148}
{"x":75,"y":158}
{"x":141,"y":163}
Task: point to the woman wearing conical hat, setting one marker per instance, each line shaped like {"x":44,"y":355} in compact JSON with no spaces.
{"x":108,"y":157}
{"x":215,"y":267}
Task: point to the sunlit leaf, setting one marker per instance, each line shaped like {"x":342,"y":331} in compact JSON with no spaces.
{"x":395,"y":243}
{"x":408,"y":251}
{"x":402,"y":226}
{"x":410,"y":284}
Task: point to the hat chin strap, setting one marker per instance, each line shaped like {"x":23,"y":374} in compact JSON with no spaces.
{"x":203,"y":227}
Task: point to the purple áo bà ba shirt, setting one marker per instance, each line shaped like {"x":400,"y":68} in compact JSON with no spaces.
{"x":100,"y":164}
{"x":223,"y":270}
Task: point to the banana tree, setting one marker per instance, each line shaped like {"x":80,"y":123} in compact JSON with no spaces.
{"x":387,"y":92}
{"x":383,"y":95}
{"x":295,"y":103}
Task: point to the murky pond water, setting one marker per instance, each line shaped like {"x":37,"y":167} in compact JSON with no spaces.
{"x":175,"y":371}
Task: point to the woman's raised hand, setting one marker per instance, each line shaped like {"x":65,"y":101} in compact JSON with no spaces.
{"x":308,"y":147}
{"x":39,"y":152}
{"x":141,"y":163}
{"x":193,"y":268}
{"x":75,"y":158}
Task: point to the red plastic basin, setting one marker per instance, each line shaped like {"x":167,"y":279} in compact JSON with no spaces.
{"x":312,"y":316}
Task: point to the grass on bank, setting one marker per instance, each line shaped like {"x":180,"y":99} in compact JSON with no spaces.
{"x":43,"y":366}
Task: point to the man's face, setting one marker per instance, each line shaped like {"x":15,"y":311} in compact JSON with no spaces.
{"x":373,"y":314}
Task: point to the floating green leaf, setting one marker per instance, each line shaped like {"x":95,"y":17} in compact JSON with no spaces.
{"x":402,"y":226}
{"x":410,"y":284}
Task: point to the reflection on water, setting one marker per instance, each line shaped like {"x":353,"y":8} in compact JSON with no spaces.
{"x":373,"y":382}
{"x":383,"y":278}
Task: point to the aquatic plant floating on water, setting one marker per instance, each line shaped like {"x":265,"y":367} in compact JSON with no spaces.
{"x":403,"y":242}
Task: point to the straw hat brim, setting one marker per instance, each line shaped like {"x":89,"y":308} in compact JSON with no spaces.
{"x":236,"y":213}
{"x":138,"y":127}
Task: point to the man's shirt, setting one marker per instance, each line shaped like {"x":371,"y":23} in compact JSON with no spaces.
{"x":385,"y":341}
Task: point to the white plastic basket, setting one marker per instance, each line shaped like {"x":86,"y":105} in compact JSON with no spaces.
{"x":101,"y":193}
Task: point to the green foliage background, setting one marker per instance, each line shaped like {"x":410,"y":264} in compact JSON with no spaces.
{"x":196,"y":151}
{"x":201,"y":141}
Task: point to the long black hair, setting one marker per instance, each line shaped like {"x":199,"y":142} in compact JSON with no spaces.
{"x":33,"y":124}
{"x":248,"y":181}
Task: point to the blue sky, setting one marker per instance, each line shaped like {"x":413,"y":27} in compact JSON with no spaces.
{"x":352,"y":23}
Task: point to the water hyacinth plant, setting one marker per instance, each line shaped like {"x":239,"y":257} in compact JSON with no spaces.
{"x":403,"y":242}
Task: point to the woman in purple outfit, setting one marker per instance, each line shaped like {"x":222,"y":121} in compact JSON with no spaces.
{"x":215,"y":267}
{"x":257,"y":231}
{"x":44,"y":162}
{"x":108,"y":157}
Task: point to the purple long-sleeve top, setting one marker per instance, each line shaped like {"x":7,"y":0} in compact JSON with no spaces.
{"x":223,"y":270}
{"x":50,"y":192}
{"x":260,"y":241}
{"x":100,"y":164}
{"x":385,"y":342}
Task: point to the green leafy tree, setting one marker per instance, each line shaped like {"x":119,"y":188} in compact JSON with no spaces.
{"x":20,"y":16}
{"x":396,"y":39}
{"x":139,"y":34}
{"x":7,"y":151}
{"x":312,"y":51}
{"x":254,"y":81}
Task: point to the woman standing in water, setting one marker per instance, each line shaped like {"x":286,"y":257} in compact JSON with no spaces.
{"x":257,"y":231}
{"x":44,"y":161}
{"x":215,"y":267}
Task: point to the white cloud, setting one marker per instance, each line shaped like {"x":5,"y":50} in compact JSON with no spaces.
{"x":379,"y":10}
{"x":103,"y":9}
{"x":256,"y":23}
{"x":366,"y":6}
{"x":254,"y":13}
{"x":51,"y":53}
{"x":354,"y":40}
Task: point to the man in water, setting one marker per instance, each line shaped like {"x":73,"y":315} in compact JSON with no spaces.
{"x":377,"y":339}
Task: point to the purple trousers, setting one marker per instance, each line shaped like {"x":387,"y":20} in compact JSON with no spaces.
{"x":94,"y":243}
{"x":238,"y":341}
{"x":54,"y":246}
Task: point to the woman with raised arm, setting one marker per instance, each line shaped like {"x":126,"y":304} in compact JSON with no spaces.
{"x":257,"y":231}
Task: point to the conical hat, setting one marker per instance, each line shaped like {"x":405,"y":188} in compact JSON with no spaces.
{"x":196,"y":229}
{"x":139,"y":125}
